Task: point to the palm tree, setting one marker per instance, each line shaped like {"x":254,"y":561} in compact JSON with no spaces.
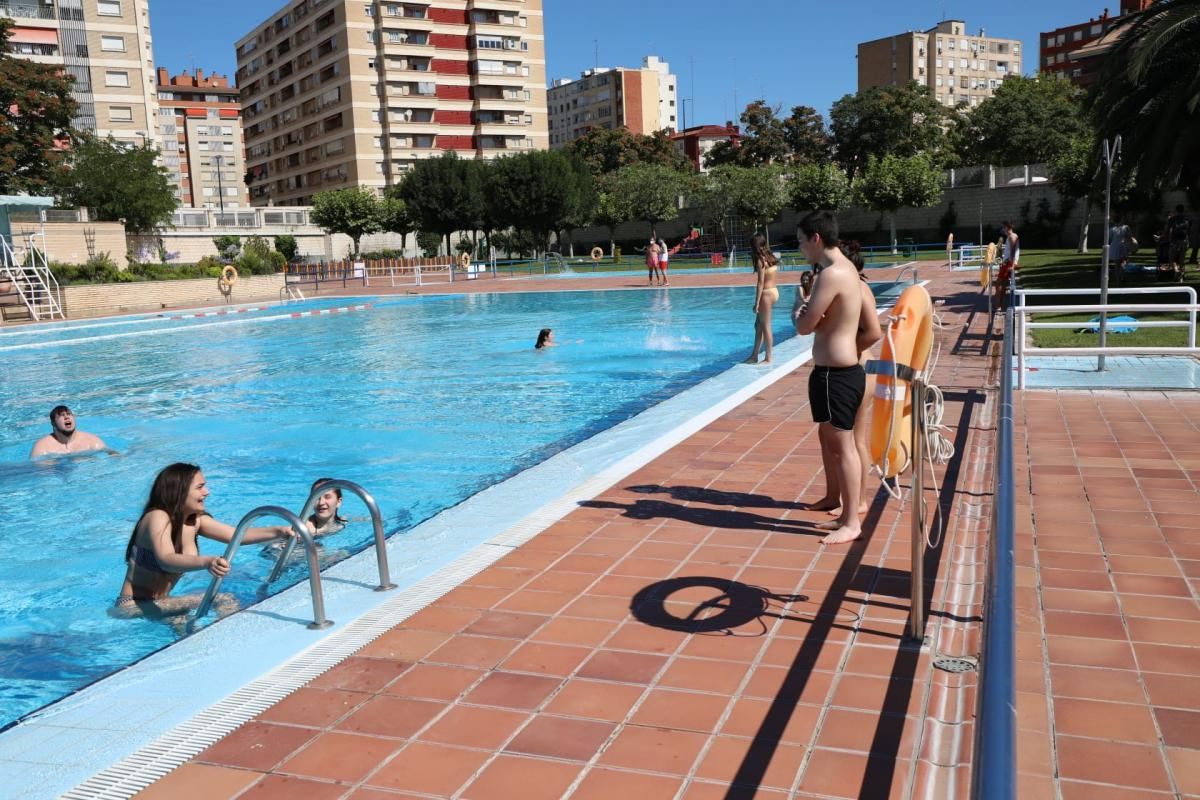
{"x":1150,"y":94}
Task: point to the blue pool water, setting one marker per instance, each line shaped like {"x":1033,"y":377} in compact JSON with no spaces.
{"x":423,"y":400}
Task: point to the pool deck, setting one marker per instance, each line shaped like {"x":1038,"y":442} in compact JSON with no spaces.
{"x":685,"y":635}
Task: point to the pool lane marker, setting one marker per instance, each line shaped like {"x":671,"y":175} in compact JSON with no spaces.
{"x":221,"y":313}
{"x":181,"y":328}
{"x":155,"y":760}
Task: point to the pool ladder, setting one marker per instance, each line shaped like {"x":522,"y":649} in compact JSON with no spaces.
{"x":297,"y":524}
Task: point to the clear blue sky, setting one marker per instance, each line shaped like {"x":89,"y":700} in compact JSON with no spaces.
{"x":790,"y":52}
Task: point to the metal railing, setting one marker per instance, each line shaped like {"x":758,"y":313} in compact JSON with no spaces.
{"x":1024,"y":311}
{"x":994,"y":769}
{"x":314,"y":572}
{"x":385,"y":580}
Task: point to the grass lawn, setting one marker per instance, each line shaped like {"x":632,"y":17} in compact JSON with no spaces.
{"x":1066,"y":269}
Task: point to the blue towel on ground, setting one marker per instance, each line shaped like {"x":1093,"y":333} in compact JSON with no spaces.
{"x":1120,"y":324}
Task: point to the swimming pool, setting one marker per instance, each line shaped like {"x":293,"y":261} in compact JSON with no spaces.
{"x":423,"y":400}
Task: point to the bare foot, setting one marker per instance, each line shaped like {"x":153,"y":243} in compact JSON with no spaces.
{"x":824,"y":504}
{"x":767,"y":360}
{"x":837,"y":512}
{"x":828,"y":525}
{"x":843,"y":535}
{"x":751,"y":360}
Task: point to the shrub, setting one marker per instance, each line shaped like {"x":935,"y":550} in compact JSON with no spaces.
{"x":376,"y":255}
{"x":429,"y":242}
{"x":279,"y":261}
{"x":227,"y":247}
{"x":287,"y":245}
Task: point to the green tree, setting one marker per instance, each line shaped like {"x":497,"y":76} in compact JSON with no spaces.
{"x":652,"y":191}
{"x":120,"y":182}
{"x":1150,"y":95}
{"x":228,"y":247}
{"x":287,"y":245}
{"x":606,"y":150}
{"x":394,"y":216}
{"x":755,"y":193}
{"x":1075,"y":170}
{"x":1026,"y":121}
{"x":887,"y":120}
{"x":540,"y":191}
{"x":893,"y":182}
{"x":429,"y":242}
{"x":352,"y":211}
{"x":764,"y":140}
{"x":38,"y":107}
{"x":717,"y":198}
{"x":818,"y":186}
{"x":612,"y":207}
{"x":806,"y":136}
{"x":440,"y":195}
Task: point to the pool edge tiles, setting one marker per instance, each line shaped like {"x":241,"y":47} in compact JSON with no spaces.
{"x":121,"y":733}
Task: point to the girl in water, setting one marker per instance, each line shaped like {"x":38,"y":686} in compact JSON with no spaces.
{"x":765,"y":296}
{"x":545,"y":338}
{"x":163,"y":546}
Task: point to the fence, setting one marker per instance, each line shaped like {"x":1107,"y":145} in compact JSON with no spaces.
{"x":396,"y":271}
{"x":1024,"y":312}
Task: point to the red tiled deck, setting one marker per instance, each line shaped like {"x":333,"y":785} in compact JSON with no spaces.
{"x":1109,"y":568}
{"x":683,"y":635}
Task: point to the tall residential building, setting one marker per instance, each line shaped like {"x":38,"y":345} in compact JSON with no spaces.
{"x":202,"y":148}
{"x":960,"y":69}
{"x":352,"y":92}
{"x":105,"y":46}
{"x":1075,"y":51}
{"x":644,"y":100}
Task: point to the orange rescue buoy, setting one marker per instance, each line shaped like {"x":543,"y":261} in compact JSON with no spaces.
{"x":907,"y":344}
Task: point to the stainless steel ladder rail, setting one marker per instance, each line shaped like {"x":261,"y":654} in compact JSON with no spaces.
{"x":385,"y":580}
{"x":314,"y":573}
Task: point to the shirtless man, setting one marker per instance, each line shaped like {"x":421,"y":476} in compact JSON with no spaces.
{"x":837,"y":381}
{"x":1009,"y":262}
{"x":65,"y":437}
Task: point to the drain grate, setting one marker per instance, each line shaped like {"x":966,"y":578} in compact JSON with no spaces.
{"x":955,"y":664}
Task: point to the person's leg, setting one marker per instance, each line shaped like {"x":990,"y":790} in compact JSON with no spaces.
{"x":849,"y":468}
{"x":830,"y":500}
{"x":818,"y":401}
{"x":862,"y":437}
{"x":753,"y":359}
{"x":764,"y":322}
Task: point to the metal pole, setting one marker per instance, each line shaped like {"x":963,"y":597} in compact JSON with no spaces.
{"x":1110,"y":154}
{"x":220,"y":186}
{"x":916,"y":625}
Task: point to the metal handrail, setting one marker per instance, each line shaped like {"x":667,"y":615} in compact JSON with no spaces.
{"x":994,"y":771}
{"x":385,"y":580}
{"x":314,"y":574}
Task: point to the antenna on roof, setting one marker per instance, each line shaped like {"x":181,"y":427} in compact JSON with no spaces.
{"x":596,"y":54}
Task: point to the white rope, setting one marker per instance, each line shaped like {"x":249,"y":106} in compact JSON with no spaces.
{"x":938,"y":447}
{"x":882,"y":469}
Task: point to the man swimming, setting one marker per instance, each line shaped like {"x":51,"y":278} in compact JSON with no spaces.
{"x":838,"y":380}
{"x":65,"y":438}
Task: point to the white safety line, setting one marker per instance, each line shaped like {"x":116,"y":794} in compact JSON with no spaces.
{"x":181,"y":328}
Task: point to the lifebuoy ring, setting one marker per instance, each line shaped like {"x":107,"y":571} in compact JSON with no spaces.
{"x":464,"y":259}
{"x":597,"y":254}
{"x":908,"y":341}
{"x":229,"y":276}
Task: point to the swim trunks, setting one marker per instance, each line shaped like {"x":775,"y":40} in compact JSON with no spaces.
{"x":835,"y":393}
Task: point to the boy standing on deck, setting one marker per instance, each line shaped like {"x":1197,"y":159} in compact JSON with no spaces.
{"x":837,"y":381}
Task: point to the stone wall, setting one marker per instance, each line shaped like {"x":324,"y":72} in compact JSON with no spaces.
{"x":68,"y":241}
{"x":95,"y":300}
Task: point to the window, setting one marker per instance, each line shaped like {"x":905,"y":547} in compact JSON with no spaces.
{"x":116,"y":78}
{"x":120,"y":113}
{"x":112,"y":44}
{"x":369,"y":10}
{"x":108,"y":8}
{"x":227,"y":130}
{"x":370,"y":37}
{"x":209,"y":191}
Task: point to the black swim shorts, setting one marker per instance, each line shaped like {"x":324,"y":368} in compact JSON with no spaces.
{"x":835,"y":393}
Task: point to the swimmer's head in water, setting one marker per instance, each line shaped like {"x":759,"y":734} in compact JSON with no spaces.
{"x":62,"y":419}
{"x":328,"y":503}
{"x":545,"y":335}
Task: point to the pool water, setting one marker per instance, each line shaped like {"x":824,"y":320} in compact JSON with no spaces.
{"x":425,"y":401}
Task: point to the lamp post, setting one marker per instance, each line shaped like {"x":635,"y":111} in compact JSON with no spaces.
{"x":220,"y":186}
{"x":1111,"y":154}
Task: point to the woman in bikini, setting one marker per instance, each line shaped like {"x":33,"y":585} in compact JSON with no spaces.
{"x":765,"y":297}
{"x":163,"y":546}
{"x":869,"y":331}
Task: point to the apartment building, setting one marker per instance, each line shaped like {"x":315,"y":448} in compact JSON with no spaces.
{"x":105,"y":46}
{"x":695,"y":142}
{"x":960,"y":68}
{"x":643,"y":99}
{"x":353,"y":92}
{"x":200,"y":119}
{"x":1076,"y":52}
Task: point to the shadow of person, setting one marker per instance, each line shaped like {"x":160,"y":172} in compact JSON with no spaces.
{"x":714,"y":497}
{"x":708,"y":517}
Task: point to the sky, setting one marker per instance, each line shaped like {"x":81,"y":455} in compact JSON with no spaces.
{"x":725,"y":54}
